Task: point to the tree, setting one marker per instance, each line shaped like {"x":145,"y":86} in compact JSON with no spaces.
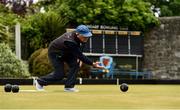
{"x":41,"y":28}
{"x":8,"y":21}
{"x":135,"y":14}
{"x":167,"y":7}
{"x":175,"y":7}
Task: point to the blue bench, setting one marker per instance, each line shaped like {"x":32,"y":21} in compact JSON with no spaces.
{"x":117,"y":72}
{"x":136,"y":74}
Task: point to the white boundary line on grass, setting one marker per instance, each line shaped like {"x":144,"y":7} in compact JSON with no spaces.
{"x":94,"y":109}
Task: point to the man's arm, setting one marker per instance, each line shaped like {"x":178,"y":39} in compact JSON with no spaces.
{"x":77,"y":52}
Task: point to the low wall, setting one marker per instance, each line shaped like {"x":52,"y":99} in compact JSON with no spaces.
{"x":91,"y":81}
{"x":162,"y":49}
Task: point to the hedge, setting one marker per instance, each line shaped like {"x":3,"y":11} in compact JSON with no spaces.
{"x":10,"y":65}
{"x":39,"y":64}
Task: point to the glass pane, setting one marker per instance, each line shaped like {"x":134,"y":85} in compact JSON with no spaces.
{"x":97,"y":44}
{"x":123,"y":44}
{"x":110,"y":44}
{"x":136,"y":45}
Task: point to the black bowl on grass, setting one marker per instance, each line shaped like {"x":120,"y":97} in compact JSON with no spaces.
{"x":124,"y":87}
{"x":8,"y":88}
{"x":15,"y":88}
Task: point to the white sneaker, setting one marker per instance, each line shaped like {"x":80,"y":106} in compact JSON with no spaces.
{"x":71,"y":90}
{"x":38,"y":86}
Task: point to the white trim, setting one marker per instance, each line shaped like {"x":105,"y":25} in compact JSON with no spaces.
{"x":129,"y":43}
{"x":120,"y":55}
{"x":90,"y":44}
{"x":103,"y":42}
{"x":116,"y":43}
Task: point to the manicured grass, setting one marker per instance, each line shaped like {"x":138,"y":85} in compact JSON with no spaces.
{"x":94,"y":97}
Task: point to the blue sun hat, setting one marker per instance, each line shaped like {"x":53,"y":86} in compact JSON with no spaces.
{"x":84,"y":30}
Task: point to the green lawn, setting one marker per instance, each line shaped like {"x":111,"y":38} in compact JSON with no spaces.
{"x":94,"y":97}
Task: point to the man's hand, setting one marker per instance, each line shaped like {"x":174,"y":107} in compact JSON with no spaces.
{"x":96,"y":65}
{"x":80,"y":62}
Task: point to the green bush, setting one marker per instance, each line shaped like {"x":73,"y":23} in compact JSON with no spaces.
{"x":31,"y":59}
{"x":40,"y":29}
{"x":10,"y":65}
{"x":39,"y":64}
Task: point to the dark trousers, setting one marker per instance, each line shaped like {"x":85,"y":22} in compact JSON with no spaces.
{"x":57,"y":61}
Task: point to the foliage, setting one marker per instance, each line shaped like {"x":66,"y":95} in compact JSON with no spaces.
{"x":175,"y":7}
{"x":41,"y":28}
{"x":32,"y":58}
{"x":10,"y":65}
{"x":7,"y":24}
{"x":165,"y":11}
{"x":20,"y":7}
{"x":8,"y":18}
{"x":167,"y":7}
{"x":135,"y":14}
{"x":39,"y":64}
